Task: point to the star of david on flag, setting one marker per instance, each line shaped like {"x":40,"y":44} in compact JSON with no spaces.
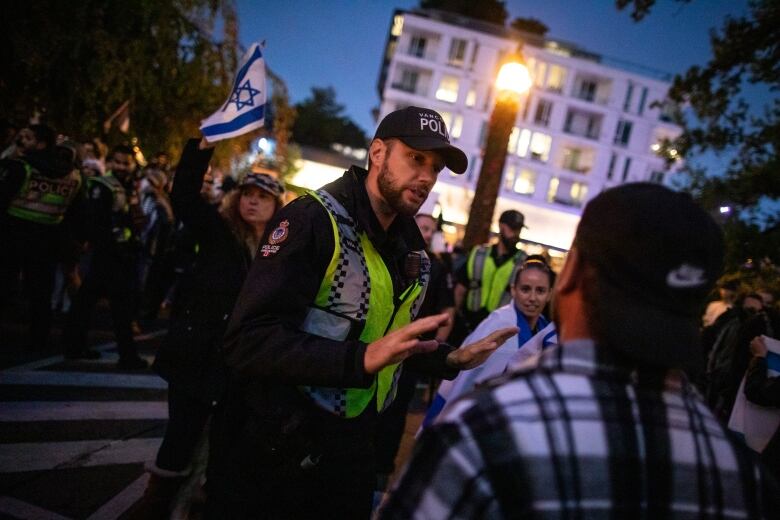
{"x":244,"y":110}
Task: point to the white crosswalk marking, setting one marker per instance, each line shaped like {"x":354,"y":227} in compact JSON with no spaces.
{"x":20,"y":509}
{"x":32,"y":411}
{"x":111,"y":380}
{"x":122,"y":501}
{"x":25,"y":456}
{"x":74,"y":435}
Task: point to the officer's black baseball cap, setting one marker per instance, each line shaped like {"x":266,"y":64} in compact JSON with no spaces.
{"x":657,"y":255}
{"x":422,"y":129}
{"x":512,"y":218}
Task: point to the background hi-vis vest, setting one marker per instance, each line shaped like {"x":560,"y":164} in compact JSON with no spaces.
{"x":357,"y":291}
{"x":43,"y":199}
{"x":487,"y":283}
{"x":119,"y":206}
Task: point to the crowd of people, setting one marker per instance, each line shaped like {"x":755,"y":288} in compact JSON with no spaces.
{"x":297,"y":335}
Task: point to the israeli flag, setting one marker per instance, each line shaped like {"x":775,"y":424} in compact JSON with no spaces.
{"x":244,"y":110}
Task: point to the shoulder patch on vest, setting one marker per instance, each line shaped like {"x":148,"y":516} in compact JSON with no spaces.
{"x":279,"y":234}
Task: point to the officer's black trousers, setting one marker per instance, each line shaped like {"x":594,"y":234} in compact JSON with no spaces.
{"x":259,"y":469}
{"x":112,"y":278}
{"x":187,"y":418}
{"x":36,"y":262}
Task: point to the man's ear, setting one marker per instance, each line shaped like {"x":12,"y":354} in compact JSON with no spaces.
{"x":377,"y":151}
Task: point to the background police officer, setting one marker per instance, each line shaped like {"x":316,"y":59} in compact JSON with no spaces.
{"x":111,"y":215}
{"x":38,"y":189}
{"x":483,"y":282}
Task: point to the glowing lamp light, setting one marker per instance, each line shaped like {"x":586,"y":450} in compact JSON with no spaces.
{"x":513,"y":77}
{"x":724,"y":210}
{"x":655,"y":147}
{"x":264,"y":145}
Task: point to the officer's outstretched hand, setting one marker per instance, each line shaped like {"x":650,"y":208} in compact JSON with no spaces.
{"x":402,"y":343}
{"x":474,"y":354}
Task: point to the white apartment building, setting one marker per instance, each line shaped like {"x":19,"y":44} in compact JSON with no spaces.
{"x":588,"y":122}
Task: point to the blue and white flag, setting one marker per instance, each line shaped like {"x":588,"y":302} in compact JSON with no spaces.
{"x":245,"y":108}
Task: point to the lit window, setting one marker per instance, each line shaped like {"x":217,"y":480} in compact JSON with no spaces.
{"x":511,"y":146}
{"x":509,"y":176}
{"x":455,"y":125}
{"x":540,"y":147}
{"x":525,"y":182}
{"x":457,"y":52}
{"x":538,"y":70}
{"x":448,"y":89}
{"x":398,"y":25}
{"x":578,"y":193}
{"x":553,"y":189}
{"x":523,"y":141}
{"x":556,"y":78}
{"x":471,"y":96}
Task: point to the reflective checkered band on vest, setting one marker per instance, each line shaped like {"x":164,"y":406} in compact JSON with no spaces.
{"x":42,"y":199}
{"x":342,"y":293}
{"x":357,"y":291}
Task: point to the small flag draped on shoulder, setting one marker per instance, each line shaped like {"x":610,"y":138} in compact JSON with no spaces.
{"x":244,"y":110}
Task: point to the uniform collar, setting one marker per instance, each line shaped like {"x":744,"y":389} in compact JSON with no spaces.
{"x":350,"y":191}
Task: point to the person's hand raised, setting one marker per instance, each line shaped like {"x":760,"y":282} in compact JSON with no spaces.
{"x":758,"y":347}
{"x":402,"y":343}
{"x":474,"y":354}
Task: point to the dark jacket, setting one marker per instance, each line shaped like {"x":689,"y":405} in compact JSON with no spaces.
{"x":264,"y":344}
{"x":266,"y":431}
{"x":189,"y":356}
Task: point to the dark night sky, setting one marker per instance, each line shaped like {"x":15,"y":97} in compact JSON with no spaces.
{"x":339,"y":43}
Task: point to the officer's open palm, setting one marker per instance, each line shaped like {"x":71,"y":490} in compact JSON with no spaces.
{"x":474,"y":354}
{"x":402,"y":343}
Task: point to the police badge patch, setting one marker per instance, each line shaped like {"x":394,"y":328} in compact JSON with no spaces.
{"x":279,"y":234}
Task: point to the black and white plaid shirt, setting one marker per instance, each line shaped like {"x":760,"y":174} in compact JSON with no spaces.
{"x":570,"y":436}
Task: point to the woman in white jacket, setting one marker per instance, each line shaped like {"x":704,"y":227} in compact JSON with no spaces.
{"x":531,"y":291}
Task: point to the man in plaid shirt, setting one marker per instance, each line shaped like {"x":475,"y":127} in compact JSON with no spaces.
{"x":605,"y":426}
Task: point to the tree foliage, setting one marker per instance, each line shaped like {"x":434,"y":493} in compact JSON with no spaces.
{"x":530,"y":25}
{"x":74,"y":63}
{"x":321,"y":122}
{"x":745,"y":60}
{"x":493,"y":11}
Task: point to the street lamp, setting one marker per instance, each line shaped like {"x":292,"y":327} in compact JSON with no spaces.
{"x":513,"y":80}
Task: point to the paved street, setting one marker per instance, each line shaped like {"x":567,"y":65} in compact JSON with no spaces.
{"x":75,"y":435}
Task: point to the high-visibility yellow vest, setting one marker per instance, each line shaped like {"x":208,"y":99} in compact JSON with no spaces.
{"x":356,"y":291}
{"x":488,"y":284}
{"x":42,"y":199}
{"x":120,"y":208}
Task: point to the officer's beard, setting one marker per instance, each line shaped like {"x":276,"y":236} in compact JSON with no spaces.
{"x":510,"y":243}
{"x":393,"y":195}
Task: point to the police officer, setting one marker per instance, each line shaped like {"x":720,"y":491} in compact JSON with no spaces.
{"x":111,"y":213}
{"x":483,"y":283}
{"x":315,"y":343}
{"x":37,"y":191}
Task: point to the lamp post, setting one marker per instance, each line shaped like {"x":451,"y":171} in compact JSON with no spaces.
{"x":513,"y":80}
